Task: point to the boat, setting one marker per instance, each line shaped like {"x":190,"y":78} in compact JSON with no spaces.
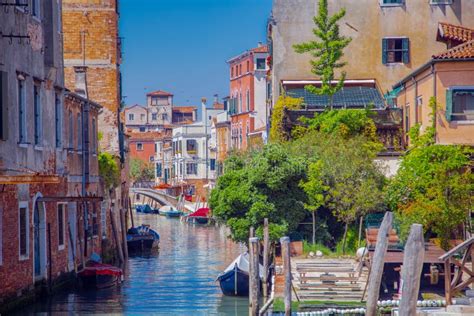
{"x":234,"y":281}
{"x":142,"y":238}
{"x":144,"y":208}
{"x":170,"y":211}
{"x":97,"y":275}
{"x":201,"y":216}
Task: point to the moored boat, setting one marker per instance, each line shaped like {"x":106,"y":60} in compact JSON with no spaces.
{"x":144,"y":208}
{"x":142,"y":238}
{"x":201,"y":216}
{"x":170,"y":211}
{"x":99,"y":275}
{"x":234,"y":281}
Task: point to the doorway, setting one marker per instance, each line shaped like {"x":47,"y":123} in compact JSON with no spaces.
{"x":72,"y":228}
{"x":39,"y":250}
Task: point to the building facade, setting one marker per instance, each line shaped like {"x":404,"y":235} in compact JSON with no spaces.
{"x":247,"y":103}
{"x":392,"y":40}
{"x":449,"y":78}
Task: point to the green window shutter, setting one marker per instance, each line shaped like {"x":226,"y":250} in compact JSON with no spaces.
{"x":384,"y":50}
{"x":3,"y":105}
{"x":406,"y":50}
{"x":449,"y":104}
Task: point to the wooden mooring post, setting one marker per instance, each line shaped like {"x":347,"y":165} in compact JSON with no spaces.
{"x":116,"y":237}
{"x":411,"y":270}
{"x":254,"y":286}
{"x":285,"y":254}
{"x":266,"y":252}
{"x":375,"y":278}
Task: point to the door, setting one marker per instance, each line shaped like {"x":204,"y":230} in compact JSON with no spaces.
{"x":71,"y":225}
{"x":39,"y":240}
{"x":37,"y":252}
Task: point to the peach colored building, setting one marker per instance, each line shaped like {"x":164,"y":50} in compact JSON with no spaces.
{"x":449,"y":77}
{"x":247,"y":103}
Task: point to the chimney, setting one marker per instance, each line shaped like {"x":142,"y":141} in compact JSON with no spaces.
{"x":216,"y":98}
{"x":81,"y":81}
{"x":260,"y":44}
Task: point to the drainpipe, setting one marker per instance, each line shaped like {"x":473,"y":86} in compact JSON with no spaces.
{"x":416,"y":99}
{"x":433,"y":72}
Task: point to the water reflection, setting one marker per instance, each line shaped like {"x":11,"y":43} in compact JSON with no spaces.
{"x":179,"y":280}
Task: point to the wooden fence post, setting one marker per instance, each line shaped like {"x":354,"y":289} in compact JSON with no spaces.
{"x":266,"y":251}
{"x":411,"y":270}
{"x":254,"y":277}
{"x":285,"y":253}
{"x":377,"y":264}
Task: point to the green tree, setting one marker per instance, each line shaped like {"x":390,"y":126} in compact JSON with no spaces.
{"x":257,"y":186}
{"x":109,"y":170}
{"x":328,"y":51}
{"x":277,"y":133}
{"x":141,"y":171}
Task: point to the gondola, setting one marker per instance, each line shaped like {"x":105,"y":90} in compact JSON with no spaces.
{"x":142,"y":238}
{"x":170,"y":211}
{"x":98,"y":275}
{"x":234,"y":281}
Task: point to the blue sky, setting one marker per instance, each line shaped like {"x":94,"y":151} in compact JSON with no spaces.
{"x":181,"y":46}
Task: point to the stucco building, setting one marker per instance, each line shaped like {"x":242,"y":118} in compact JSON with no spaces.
{"x":448,"y":76}
{"x":390,"y":39}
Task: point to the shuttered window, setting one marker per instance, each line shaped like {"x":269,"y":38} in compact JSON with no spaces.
{"x":460,"y":104}
{"x":23,"y":232}
{"x":3,"y":105}
{"x":21,"y":112}
{"x":37,"y":112}
{"x":395,"y":50}
{"x":392,"y":2}
{"x":61,"y":225}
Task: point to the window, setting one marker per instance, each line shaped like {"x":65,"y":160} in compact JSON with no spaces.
{"x":3,"y":105}
{"x":37,"y":111}
{"x":139,"y":146}
{"x":391,"y":2}
{"x":212,"y":164}
{"x":240,"y":69}
{"x":191,"y":147}
{"x":441,"y":2}
{"x":94,"y":136}
{"x":460,"y":104}
{"x":95,"y":223}
{"x":21,"y":4}
{"x":142,"y":129}
{"x":57,"y":120}
{"x":142,"y":117}
{"x":165,"y":116}
{"x":71,"y":130}
{"x":159,"y":169}
{"x":103,"y":219}
{"x":248,"y":100}
{"x":407,"y":118}
{"x":79,"y":131}
{"x":395,"y":50}
{"x":61,"y":225}
{"x":152,"y":158}
{"x":261,"y":64}
{"x":131,"y":117}
{"x":36,"y":8}
{"x":232,"y":72}
{"x":154,"y":116}
{"x":154,"y":101}
{"x":23,"y":231}
{"x":21,"y":111}
{"x":248,"y":66}
{"x":191,"y":168}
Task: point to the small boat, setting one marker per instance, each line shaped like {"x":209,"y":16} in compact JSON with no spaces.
{"x":234,"y":281}
{"x":201,"y":216}
{"x":98,"y":275}
{"x":144,"y":208}
{"x":142,"y":238}
{"x":170,"y":211}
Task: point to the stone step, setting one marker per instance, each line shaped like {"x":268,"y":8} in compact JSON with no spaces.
{"x":329,"y":297}
{"x":460,"y":309}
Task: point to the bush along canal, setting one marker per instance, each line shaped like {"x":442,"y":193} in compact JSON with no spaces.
{"x":179,"y":279}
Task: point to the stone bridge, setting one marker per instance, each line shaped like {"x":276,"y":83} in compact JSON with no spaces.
{"x":159,"y":197}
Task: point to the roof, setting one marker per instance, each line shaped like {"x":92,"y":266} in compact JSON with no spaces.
{"x":134,"y":106}
{"x":350,"y":97}
{"x":184,"y":109}
{"x":260,"y":49}
{"x":462,"y":51}
{"x":151,"y":136}
{"x":459,"y":33}
{"x":159,"y":93}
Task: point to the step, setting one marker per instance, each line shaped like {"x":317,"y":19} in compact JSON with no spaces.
{"x":329,"y":297}
{"x":460,"y":309}
{"x":328,"y":278}
{"x":329,"y":286}
{"x":324,"y":270}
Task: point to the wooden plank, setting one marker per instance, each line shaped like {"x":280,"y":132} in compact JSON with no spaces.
{"x":329,"y":278}
{"x":411,"y":270}
{"x":375,"y":278}
{"x":456,"y":249}
{"x":285,"y":253}
{"x":253,"y":277}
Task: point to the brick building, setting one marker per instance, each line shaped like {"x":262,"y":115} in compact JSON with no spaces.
{"x":247,"y":103}
{"x":143,"y":145}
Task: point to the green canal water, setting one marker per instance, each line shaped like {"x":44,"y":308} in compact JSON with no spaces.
{"x":179,"y":280}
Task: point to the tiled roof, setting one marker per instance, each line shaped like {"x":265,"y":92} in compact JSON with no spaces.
{"x":462,"y":51}
{"x":350,"y":97}
{"x":260,"y":49}
{"x":184,"y":109}
{"x":448,"y":31}
{"x":152,"y":136}
{"x":160,"y":93}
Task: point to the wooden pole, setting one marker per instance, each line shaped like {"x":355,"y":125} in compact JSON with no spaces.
{"x":78,"y":229}
{"x":252,"y":232}
{"x":377,"y":265}
{"x":131,"y":212}
{"x":266,"y":250}
{"x":254,"y":277}
{"x":360,"y":231}
{"x":447,"y":281}
{"x":50,"y":261}
{"x":411,"y":271}
{"x":124,"y":233}
{"x":73,"y":247}
{"x":116,"y":237}
{"x":285,"y":253}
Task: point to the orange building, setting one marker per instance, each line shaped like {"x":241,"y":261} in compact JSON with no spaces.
{"x":247,"y":103}
{"x":142,"y":146}
{"x":449,"y":77}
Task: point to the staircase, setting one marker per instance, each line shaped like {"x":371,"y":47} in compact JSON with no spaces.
{"x":328,"y":279}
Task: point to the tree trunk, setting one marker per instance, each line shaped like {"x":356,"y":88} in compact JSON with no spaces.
{"x":314,"y":227}
{"x":344,"y":239}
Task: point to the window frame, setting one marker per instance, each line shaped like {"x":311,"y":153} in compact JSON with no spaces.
{"x":3,"y":105}
{"x":450,"y":103}
{"x":63,"y":207}
{"x":38,"y":115}
{"x":193,"y":166}
{"x":405,"y":50}
{"x":36,"y":4}
{"x":24,"y":205}
{"x":189,"y":144}
{"x":139,"y":146}
{"x":131,"y":117}
{"x":257,"y":63}
{"x":71,"y":130}
{"x":446,"y":2}
{"x":58,"y":122}
{"x":396,"y":4}
{"x":154,"y":116}
{"x":21,"y":103}
{"x":79,"y":131}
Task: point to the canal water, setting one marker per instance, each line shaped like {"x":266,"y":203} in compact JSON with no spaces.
{"x":180,"y":279}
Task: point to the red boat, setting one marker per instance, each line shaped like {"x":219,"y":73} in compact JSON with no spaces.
{"x":99,"y":275}
{"x":201,"y":216}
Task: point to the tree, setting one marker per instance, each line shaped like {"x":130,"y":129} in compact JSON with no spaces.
{"x":260,"y":185}
{"x":141,"y":171}
{"x":109,"y":170}
{"x":328,"y":51}
{"x":284,"y":102}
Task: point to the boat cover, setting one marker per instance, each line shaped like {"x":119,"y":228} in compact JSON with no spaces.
{"x":202,"y":212}
{"x":167,"y":208}
{"x":242,"y":262}
{"x":95,"y":268}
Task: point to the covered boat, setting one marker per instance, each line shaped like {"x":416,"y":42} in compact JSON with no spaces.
{"x":99,"y":275}
{"x":234,"y":281}
{"x":142,"y":238}
{"x":144,"y":208}
{"x":170,"y":211}
{"x":201,"y":216}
